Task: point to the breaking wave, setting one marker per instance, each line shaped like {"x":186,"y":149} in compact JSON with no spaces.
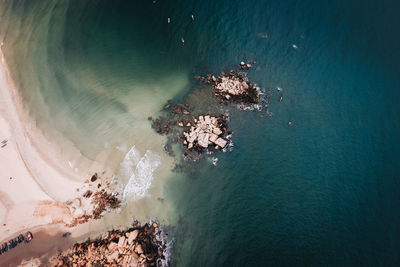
{"x":140,"y":172}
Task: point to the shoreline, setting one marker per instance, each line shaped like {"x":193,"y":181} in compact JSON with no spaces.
{"x":136,"y":245}
{"x":30,"y":194}
{"x":45,"y":193}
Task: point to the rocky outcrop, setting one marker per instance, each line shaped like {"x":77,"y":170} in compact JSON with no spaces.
{"x":102,"y":201}
{"x":205,"y":131}
{"x":137,"y":246}
{"x":234,"y":87}
{"x":92,"y":204}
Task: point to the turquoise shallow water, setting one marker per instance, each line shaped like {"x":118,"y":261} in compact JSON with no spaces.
{"x":323,"y":191}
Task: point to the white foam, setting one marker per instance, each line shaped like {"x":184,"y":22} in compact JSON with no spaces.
{"x":130,"y":161}
{"x":140,"y":172}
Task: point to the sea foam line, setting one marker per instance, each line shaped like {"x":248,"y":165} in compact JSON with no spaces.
{"x":140,"y":172}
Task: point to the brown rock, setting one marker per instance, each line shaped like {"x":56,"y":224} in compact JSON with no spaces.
{"x":87,"y":194}
{"x":94,"y":177}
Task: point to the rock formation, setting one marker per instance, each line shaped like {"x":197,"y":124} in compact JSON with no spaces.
{"x":92,"y":204}
{"x":137,"y":246}
{"x":206,"y":130}
{"x":233,"y":86}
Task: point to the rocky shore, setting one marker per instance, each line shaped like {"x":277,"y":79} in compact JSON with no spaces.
{"x":93,"y":203}
{"x":140,"y":245}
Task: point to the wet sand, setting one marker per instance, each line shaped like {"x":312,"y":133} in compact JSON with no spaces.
{"x":34,"y":184}
{"x":45,"y":243}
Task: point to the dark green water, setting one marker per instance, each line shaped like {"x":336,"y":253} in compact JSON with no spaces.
{"x":324,"y":191}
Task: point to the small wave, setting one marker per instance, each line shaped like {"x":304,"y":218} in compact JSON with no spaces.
{"x":130,"y":161}
{"x":166,"y":246}
{"x":252,"y":107}
{"x":140,"y":172}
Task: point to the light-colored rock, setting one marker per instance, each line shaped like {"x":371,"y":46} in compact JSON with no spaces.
{"x":217,"y":131}
{"x":121,"y":241}
{"x":207,"y":119}
{"x":221,"y":142}
{"x":213,"y":137}
{"x":112,"y":246}
{"x":139,"y":249}
{"x":231,"y":85}
{"x":192,"y":137}
{"x":132,"y":236}
{"x":206,"y":131}
{"x":113,"y":256}
{"x":203,"y":140}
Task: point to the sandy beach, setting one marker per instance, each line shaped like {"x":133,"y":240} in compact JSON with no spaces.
{"x":33,"y":183}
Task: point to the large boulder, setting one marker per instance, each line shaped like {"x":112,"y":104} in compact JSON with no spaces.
{"x":203,"y":139}
{"x":221,"y":142}
{"x":121,"y":241}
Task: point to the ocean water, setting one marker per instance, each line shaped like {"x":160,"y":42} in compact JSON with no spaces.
{"x":323,"y":191}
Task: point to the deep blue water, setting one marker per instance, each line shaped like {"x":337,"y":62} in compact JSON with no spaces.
{"x":324,"y":191}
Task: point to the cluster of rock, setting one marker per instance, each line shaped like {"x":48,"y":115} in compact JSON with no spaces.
{"x":162,"y":125}
{"x":233,"y":86}
{"x":103,"y":201}
{"x":244,"y":66}
{"x":138,"y":246}
{"x":205,"y":131}
{"x":93,"y":204}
